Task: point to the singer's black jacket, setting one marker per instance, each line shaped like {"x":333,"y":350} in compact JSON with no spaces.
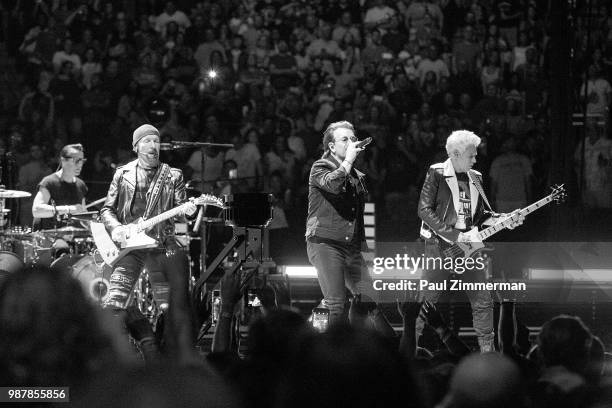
{"x":336,"y":202}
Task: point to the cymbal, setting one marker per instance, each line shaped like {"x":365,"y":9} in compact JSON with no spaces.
{"x":14,"y":194}
{"x":65,"y":231}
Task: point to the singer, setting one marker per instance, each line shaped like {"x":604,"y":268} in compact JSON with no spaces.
{"x":334,"y":227}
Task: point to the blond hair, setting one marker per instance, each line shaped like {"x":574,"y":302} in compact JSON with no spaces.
{"x":459,"y":140}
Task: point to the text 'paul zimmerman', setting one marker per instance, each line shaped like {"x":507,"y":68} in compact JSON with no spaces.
{"x":449,"y":284}
{"x":412,"y":264}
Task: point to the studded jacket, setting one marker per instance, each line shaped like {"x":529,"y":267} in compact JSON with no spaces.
{"x":119,"y":200}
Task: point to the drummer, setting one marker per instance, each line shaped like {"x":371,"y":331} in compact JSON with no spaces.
{"x":61,"y":193}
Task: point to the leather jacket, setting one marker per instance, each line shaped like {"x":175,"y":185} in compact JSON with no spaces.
{"x":439,"y":200}
{"x":117,"y":207}
{"x":336,"y":202}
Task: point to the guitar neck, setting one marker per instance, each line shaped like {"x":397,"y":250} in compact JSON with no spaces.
{"x":151,"y":222}
{"x":494,"y":229}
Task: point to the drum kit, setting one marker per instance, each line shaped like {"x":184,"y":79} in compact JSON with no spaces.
{"x":69,"y":248}
{"x":72,"y":248}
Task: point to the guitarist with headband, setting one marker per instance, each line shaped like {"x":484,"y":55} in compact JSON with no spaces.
{"x":453,"y":201}
{"x":145,"y":188}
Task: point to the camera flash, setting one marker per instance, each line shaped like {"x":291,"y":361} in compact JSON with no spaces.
{"x":212,"y":74}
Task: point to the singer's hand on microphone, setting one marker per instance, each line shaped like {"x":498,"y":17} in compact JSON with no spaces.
{"x":352,"y":150}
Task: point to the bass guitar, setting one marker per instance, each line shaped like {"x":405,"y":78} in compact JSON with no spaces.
{"x":474,"y":238}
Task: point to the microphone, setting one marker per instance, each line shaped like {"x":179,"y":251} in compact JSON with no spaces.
{"x":166,"y":146}
{"x":364,"y":142}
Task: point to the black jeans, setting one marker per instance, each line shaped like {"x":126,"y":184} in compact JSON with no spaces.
{"x":171,"y":277}
{"x":339,"y":267}
{"x":480,"y":300}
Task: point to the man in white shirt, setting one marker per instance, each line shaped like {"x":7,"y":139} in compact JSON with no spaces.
{"x":346,"y":26}
{"x":510,"y":174}
{"x":171,"y":14}
{"x":323,"y":44}
{"x":432,"y":62}
{"x":598,"y":92}
{"x":597,"y":167}
{"x":206,"y":48}
{"x":248,"y":158}
{"x":213,"y":166}
{"x":67,"y":54}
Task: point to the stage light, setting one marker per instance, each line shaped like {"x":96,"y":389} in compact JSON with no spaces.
{"x":570,"y":275}
{"x":212,"y":74}
{"x":294,"y":271}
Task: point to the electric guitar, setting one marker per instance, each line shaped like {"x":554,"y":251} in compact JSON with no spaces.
{"x":135,"y":237}
{"x":474,"y":238}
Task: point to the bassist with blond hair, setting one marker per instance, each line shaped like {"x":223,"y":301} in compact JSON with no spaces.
{"x":451,"y":204}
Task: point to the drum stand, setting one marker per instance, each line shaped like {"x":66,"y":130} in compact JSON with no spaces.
{"x":2,"y":216}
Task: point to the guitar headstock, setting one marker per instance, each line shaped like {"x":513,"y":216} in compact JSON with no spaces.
{"x":558,"y":193}
{"x":209,"y":199}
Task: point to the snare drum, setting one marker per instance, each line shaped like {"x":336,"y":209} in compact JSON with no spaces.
{"x":94,"y":277}
{"x":248,"y":209}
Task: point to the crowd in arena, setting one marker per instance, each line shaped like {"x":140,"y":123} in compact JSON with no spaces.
{"x":406,"y":73}
{"x":268,"y":76}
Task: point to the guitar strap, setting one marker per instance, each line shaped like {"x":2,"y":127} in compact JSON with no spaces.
{"x":155,"y":189}
{"x":482,"y":194}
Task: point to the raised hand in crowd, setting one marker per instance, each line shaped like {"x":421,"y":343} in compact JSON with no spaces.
{"x":434,"y":319}
{"x":179,"y":334}
{"x":409,"y":310}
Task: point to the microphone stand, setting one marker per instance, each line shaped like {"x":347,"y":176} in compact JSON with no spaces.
{"x":176,"y":144}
